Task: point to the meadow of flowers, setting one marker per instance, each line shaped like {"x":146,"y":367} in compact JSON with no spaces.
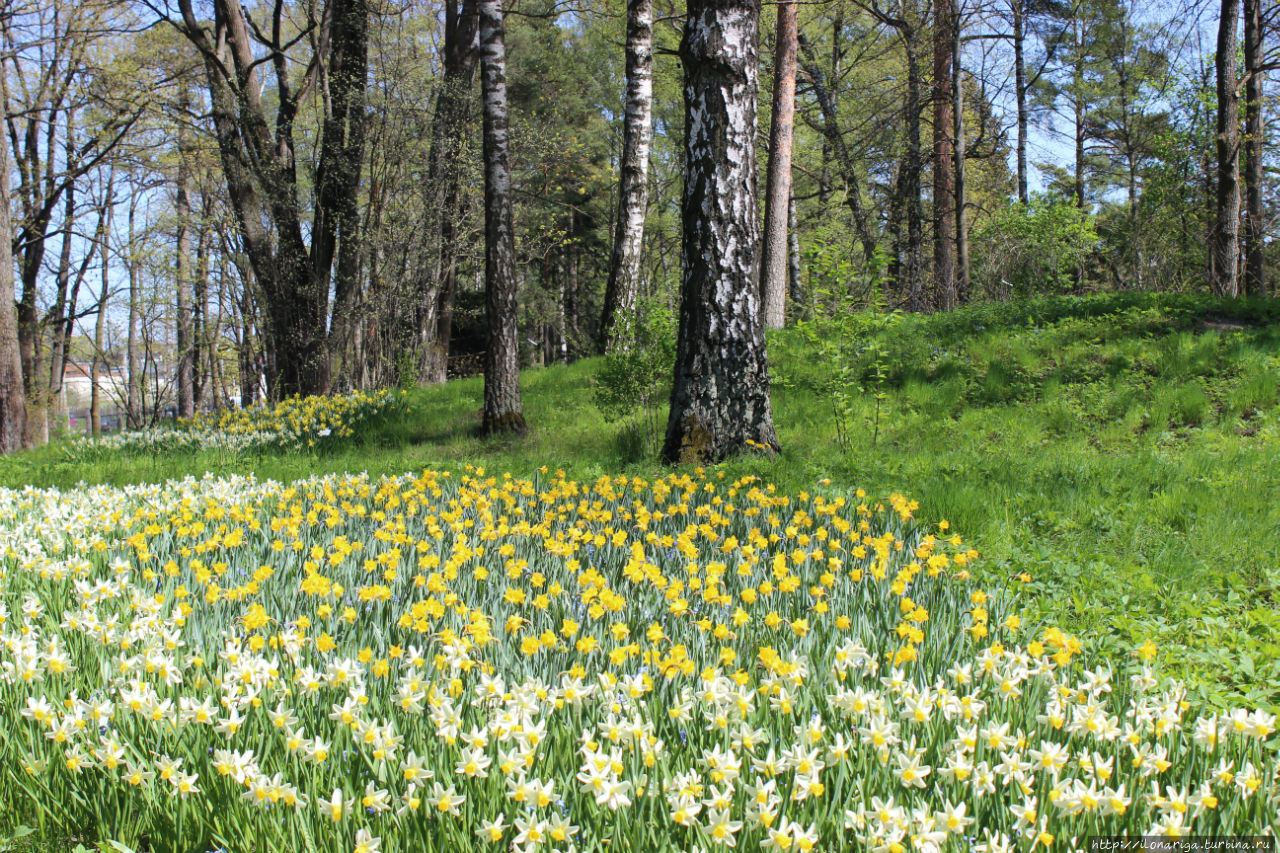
{"x":474,"y":662}
{"x":295,"y":422}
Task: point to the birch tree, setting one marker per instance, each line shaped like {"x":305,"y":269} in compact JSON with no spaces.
{"x":720,"y":396}
{"x":633,"y":189}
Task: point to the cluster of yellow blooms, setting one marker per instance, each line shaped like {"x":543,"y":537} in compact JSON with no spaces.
{"x":477,"y":662}
{"x":293,"y":422}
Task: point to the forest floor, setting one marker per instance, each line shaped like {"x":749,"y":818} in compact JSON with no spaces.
{"x":1124,"y":451}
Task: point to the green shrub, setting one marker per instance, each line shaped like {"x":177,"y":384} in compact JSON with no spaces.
{"x":1039,"y":248}
{"x":634,"y":383}
{"x":855,"y":348}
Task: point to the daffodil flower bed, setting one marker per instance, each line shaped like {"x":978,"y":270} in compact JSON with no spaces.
{"x":470,"y":663}
{"x":295,"y":422}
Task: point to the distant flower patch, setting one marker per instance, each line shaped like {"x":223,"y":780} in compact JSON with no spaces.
{"x":295,"y":422}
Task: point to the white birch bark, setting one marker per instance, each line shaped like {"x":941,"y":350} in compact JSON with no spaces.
{"x":720,"y":397}
{"x":633,"y":190}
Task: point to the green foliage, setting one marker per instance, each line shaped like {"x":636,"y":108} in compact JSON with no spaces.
{"x":1041,"y":248}
{"x":407,"y":369}
{"x":633,"y":383}
{"x":849,"y":344}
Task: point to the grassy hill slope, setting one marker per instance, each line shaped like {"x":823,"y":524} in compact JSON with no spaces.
{"x":1124,"y":451}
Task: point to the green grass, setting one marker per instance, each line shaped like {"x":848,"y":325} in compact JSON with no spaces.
{"x":1124,"y":451}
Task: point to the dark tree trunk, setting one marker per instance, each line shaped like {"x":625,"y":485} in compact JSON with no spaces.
{"x":1020,"y":91}
{"x":133,"y":343}
{"x":182,"y":267}
{"x":204,"y":351}
{"x":570,"y":295}
{"x":633,"y":189}
{"x":33,"y":244}
{"x":914,"y":284}
{"x":64,"y":317}
{"x":1077,"y":105}
{"x":502,"y":407}
{"x":13,"y":405}
{"x":777,"y":196}
{"x":56,"y":320}
{"x":944,"y":207}
{"x":1226,"y":242}
{"x":720,"y":396}
{"x":958,"y":133}
{"x":1255,"y":129}
{"x":337,"y":226}
{"x":835,"y":139}
{"x":258,"y":160}
{"x":100,"y":322}
{"x":262,"y":186}
{"x":450,"y":130}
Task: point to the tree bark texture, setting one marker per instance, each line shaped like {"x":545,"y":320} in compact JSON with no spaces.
{"x":961,"y":181}
{"x":337,"y":216}
{"x":944,"y":224}
{"x":1017,"y":7}
{"x":633,"y":189}
{"x":777,"y":196}
{"x":133,"y":342}
{"x":1254,"y":129}
{"x":1077,"y":105}
{"x":914,"y":283}
{"x":793,"y":257}
{"x":502,"y":406}
{"x":13,"y":405}
{"x":100,"y":323}
{"x":449,"y":130}
{"x":720,"y":395}
{"x":1226,"y":232}
{"x":182,"y":269}
{"x":258,"y":159}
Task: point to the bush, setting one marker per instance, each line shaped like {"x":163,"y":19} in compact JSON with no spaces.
{"x":634,"y":383}
{"x":852,"y":345}
{"x":1039,"y":248}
